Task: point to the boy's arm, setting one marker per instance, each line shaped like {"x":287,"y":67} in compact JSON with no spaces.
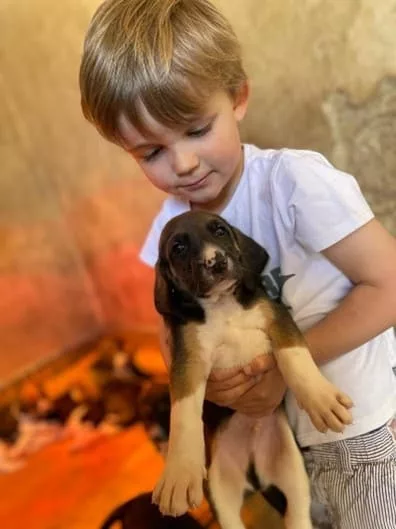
{"x":368,"y":258}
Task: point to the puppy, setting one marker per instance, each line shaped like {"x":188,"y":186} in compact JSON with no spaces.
{"x":217,"y":314}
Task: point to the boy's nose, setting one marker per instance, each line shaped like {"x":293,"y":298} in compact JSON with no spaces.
{"x":185,"y":162}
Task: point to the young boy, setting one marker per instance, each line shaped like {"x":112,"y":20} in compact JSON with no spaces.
{"x":164,"y":80}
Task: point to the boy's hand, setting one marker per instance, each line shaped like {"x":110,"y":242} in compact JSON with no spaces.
{"x":254,"y":390}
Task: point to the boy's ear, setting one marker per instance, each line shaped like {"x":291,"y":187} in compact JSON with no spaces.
{"x":174,"y":304}
{"x":241,"y":100}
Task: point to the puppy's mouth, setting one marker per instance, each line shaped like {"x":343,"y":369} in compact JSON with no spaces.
{"x":217,"y":275}
{"x":211,"y":271}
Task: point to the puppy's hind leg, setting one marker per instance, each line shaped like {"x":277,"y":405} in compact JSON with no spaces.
{"x":227,"y":472}
{"x":278,"y":462}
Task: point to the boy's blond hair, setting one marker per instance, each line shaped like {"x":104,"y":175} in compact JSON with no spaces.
{"x":167,"y":55}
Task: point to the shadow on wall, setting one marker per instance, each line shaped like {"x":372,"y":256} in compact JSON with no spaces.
{"x":64,"y":281}
{"x":107,"y":229}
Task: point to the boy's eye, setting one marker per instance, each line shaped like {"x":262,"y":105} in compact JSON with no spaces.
{"x":201,"y":131}
{"x":151,"y":155}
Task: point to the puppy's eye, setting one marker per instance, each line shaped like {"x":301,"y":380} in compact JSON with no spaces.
{"x":219,"y":231}
{"x":179,"y":248}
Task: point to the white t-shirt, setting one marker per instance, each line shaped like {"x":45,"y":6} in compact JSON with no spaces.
{"x":296,"y":204}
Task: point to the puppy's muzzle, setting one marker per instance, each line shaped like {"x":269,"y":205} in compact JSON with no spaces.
{"x":216,"y":264}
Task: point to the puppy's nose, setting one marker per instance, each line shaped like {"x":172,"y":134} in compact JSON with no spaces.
{"x":217,"y":263}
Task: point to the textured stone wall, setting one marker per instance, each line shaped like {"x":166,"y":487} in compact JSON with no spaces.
{"x":324,"y":77}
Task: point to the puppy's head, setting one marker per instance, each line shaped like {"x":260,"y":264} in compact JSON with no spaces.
{"x":200,"y":256}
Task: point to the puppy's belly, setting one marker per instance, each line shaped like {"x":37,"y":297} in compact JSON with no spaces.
{"x":232,"y":336}
{"x":253,"y":434}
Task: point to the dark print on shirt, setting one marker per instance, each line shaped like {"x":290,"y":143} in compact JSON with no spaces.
{"x":273,"y":282}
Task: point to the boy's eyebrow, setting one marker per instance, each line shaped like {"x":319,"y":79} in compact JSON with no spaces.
{"x":204,"y":118}
{"x":142,"y":146}
{"x":194,"y":123}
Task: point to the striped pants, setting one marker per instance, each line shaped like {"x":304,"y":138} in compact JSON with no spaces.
{"x":355,"y":480}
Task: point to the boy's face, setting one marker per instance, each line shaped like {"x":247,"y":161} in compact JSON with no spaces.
{"x":201,"y":163}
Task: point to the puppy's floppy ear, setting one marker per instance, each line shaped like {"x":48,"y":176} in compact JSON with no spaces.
{"x":161,"y":289}
{"x":254,"y":257}
{"x":173,"y":303}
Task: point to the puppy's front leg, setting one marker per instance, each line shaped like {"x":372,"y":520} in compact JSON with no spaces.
{"x":181,"y":484}
{"x":326,"y":405}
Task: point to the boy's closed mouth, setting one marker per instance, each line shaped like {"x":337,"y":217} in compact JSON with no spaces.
{"x":197,"y":183}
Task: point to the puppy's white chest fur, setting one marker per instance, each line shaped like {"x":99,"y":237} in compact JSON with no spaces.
{"x":231,"y":335}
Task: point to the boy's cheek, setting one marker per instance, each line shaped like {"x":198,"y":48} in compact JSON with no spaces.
{"x":156,"y":178}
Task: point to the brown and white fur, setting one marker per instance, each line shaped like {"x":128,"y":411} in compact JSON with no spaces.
{"x":217,"y":315}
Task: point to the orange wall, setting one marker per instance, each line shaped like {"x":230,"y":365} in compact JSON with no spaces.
{"x":74,"y":209}
{"x":64,"y":280}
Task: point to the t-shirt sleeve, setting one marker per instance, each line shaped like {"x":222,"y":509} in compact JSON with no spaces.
{"x":170,"y":208}
{"x":324,"y":204}
{"x":149,"y":251}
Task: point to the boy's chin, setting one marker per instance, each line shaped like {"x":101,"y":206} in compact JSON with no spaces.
{"x":211,"y":199}
{"x":202,"y":200}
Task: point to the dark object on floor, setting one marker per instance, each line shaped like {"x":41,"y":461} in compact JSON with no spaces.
{"x":154,"y":412}
{"x":60,"y":408}
{"x":119,"y":384}
{"x":74,"y":402}
{"x":114,"y":362}
{"x":8,"y":425}
{"x":140,"y":513}
{"x":120,"y":398}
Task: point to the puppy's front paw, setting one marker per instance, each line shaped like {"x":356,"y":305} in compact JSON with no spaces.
{"x":180,"y":487}
{"x":326,"y":405}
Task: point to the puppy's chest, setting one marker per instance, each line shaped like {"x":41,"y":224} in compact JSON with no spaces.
{"x":232,"y":335}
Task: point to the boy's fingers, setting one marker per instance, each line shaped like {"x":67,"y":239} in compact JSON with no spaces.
{"x":319,"y":423}
{"x":345,"y":400}
{"x":260,"y":364}
{"x":227,"y":397}
{"x":231,"y":377}
{"x":343,"y":414}
{"x":236,"y":375}
{"x":239,"y":381}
